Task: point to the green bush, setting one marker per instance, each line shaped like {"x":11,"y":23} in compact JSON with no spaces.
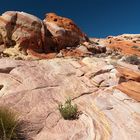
{"x":133,"y":59}
{"x":68,"y":111}
{"x":8,"y":124}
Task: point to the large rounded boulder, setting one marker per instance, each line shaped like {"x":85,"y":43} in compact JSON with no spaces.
{"x":21,"y":32}
{"x":65,"y":33}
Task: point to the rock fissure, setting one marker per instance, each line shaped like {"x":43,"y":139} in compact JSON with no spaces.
{"x":100,"y":72}
{"x":82,"y":94}
{"x":43,"y":87}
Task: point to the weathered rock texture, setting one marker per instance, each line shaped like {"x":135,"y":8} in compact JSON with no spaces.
{"x":35,"y":88}
{"x":22,"y":34}
{"x":106,"y":90}
{"x":128,"y":44}
{"x":65,"y":32}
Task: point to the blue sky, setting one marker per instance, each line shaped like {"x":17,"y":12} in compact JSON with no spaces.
{"x":97,"y":18}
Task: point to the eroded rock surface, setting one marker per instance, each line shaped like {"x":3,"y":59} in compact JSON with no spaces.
{"x":35,"y":88}
{"x":127,"y":44}
{"x":22,"y":35}
{"x":130,"y":84}
{"x":65,"y":32}
{"x":105,"y":89}
{"x":21,"y":32}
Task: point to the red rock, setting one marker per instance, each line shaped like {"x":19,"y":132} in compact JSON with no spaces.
{"x":131,"y":88}
{"x":23,"y":34}
{"x":126,"y":47}
{"x":64,"y":23}
{"x":64,"y":31}
{"x":128,"y":71}
{"x":126,"y":44}
{"x":22,"y":31}
{"x":131,"y":83}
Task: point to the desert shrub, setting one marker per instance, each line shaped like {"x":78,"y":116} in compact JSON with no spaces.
{"x":136,"y":47}
{"x":133,"y":59}
{"x":8,"y":124}
{"x":68,"y":111}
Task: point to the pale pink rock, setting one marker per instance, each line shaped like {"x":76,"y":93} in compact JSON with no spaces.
{"x":35,"y":88}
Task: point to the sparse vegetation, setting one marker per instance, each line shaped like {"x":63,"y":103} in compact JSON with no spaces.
{"x":68,"y":111}
{"x":136,"y":47}
{"x":8,"y":124}
{"x":133,"y":59}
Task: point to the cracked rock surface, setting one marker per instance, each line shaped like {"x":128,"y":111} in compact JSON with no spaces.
{"x":108,"y":110}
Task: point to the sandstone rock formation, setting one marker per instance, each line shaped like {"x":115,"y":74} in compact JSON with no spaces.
{"x":35,"y":88}
{"x":128,"y":44}
{"x":22,"y":34}
{"x":105,"y":89}
{"x":64,"y":31}
{"x":130,"y":83}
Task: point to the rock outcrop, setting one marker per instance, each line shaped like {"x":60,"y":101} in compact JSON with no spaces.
{"x":22,"y":34}
{"x":65,"y":32}
{"x":35,"y":88}
{"x":105,"y":89}
{"x":129,"y":80}
{"x":127,"y":44}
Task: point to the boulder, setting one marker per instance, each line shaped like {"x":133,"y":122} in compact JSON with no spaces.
{"x":22,"y":32}
{"x":65,"y":33}
{"x":126,"y":44}
{"x":95,"y":48}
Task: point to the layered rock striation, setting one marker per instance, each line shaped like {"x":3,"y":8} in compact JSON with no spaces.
{"x":105,"y":87}
{"x":24,"y":34}
{"x":126,"y":44}
{"x":65,"y":32}
{"x":106,"y":95}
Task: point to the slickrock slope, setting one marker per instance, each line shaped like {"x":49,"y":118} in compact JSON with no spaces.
{"x":35,"y":88}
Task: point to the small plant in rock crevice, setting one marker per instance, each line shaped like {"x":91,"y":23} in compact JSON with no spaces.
{"x":68,"y":110}
{"x":9,"y":125}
